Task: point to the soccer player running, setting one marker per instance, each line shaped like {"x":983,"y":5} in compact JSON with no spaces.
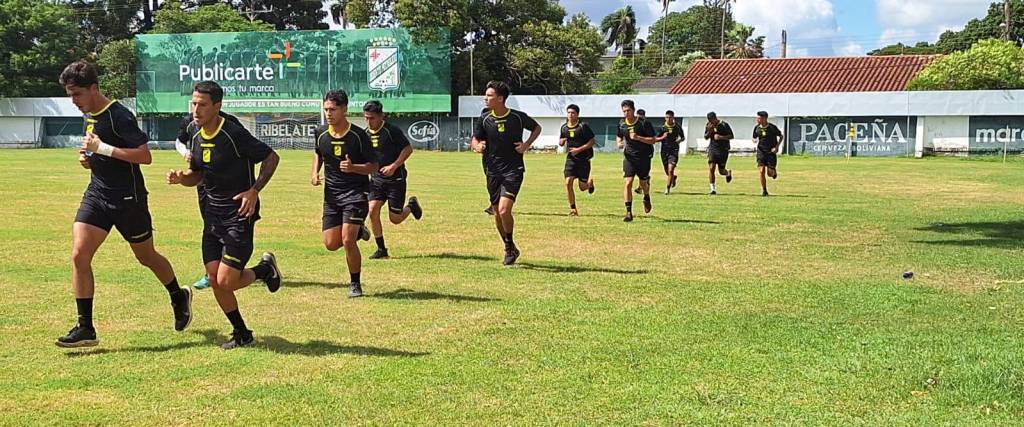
{"x":388,"y":184}
{"x":578,"y":139}
{"x":499,"y":137}
{"x":223,"y":160}
{"x":719,"y":134}
{"x":112,"y":150}
{"x":183,"y":145}
{"x":344,"y":151}
{"x":768,"y":138}
{"x":636,"y":138}
{"x":669,"y":136}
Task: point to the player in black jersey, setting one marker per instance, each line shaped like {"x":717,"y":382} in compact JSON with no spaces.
{"x":636,"y":138}
{"x":113,"y":149}
{"x":578,"y":140}
{"x":183,"y":145}
{"x":344,"y":151}
{"x":499,"y":137}
{"x":768,"y":138}
{"x":223,"y":160}
{"x":669,"y":135}
{"x":388,"y":184}
{"x":718,"y":134}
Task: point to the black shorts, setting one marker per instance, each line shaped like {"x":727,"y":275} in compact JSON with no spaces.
{"x":718,"y":156}
{"x":639,"y":167}
{"x":506,"y":185}
{"x":670,"y":157}
{"x":228,"y":239}
{"x":392,"y":191}
{"x":768,"y":159}
{"x":577,"y":168}
{"x":346,"y":213}
{"x":131,"y":217}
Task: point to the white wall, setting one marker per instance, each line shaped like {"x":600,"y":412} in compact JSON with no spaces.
{"x":19,"y":130}
{"x":945,"y":134}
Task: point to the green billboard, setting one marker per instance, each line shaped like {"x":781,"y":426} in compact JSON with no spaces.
{"x":289,"y":71}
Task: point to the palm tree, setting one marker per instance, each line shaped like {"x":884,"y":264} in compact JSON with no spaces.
{"x":741,"y":45}
{"x":664,"y":14}
{"x":338,"y":12}
{"x":619,"y":29}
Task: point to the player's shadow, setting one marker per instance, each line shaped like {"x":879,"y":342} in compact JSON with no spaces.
{"x":1003,"y":235}
{"x":213,"y":338}
{"x":409,"y":294}
{"x":727,"y":194}
{"x":684,"y":221}
{"x":556,"y":268}
{"x":453,"y":256}
{"x":566,"y":215}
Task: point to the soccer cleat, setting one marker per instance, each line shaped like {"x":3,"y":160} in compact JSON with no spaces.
{"x":238,"y":339}
{"x":590,"y":184}
{"x":764,"y":193}
{"x":511,"y":255}
{"x":273,"y":279}
{"x":668,"y":190}
{"x":774,"y":174}
{"x":728,"y":176}
{"x":380,"y":254}
{"x":364,"y":233}
{"x":202,"y":283}
{"x":647,"y":205}
{"x":628,"y":217}
{"x":79,"y":336}
{"x":182,"y":306}
{"x":639,"y":190}
{"x":415,"y":208}
{"x":573,"y":212}
{"x":713,"y":192}
{"x":674,"y":178}
{"x":489,"y":210}
{"x":355,"y":290}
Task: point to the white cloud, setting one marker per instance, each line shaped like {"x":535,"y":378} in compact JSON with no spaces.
{"x":810,"y":24}
{"x":912,"y":21}
{"x":850,"y":49}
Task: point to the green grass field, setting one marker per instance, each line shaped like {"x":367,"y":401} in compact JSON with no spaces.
{"x":732,"y":309}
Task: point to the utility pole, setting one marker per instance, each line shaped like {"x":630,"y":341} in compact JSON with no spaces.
{"x":721,"y":52}
{"x":1006,"y":20}
{"x":783,"y":43}
{"x":251,"y":11}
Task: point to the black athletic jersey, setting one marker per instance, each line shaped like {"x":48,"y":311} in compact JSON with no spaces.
{"x":502,"y":133}
{"x":674,"y":134}
{"x":388,"y":143}
{"x":640,"y":128}
{"x":722,"y":128}
{"x":343,"y":187}
{"x":188,"y":128}
{"x":577,"y":136}
{"x":767,"y":137}
{"x":227,"y":159}
{"x":114,"y":179}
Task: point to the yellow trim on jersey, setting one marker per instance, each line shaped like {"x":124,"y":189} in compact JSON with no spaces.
{"x":628,"y":123}
{"x":104,"y":109}
{"x":507,"y":112}
{"x":572,"y":127}
{"x":202,"y":130}
{"x":330,"y":130}
{"x":368,"y":130}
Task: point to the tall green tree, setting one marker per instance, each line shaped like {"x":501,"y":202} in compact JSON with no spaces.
{"x":1003,"y":69}
{"x":619,"y":78}
{"x":282,"y":14}
{"x":743,"y":44}
{"x":364,"y":13}
{"x":696,"y":29}
{"x":620,"y":29}
{"x":102,"y":21}
{"x":557,"y":59}
{"x":988,"y":27}
{"x":174,"y":18}
{"x":116,"y":61}
{"x":921,"y":48}
{"x":39,"y":40}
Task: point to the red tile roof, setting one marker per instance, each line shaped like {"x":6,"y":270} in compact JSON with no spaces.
{"x":797,"y":75}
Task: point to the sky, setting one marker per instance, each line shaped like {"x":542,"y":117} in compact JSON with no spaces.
{"x":819,"y":27}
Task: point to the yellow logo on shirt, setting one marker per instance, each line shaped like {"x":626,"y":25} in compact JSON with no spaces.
{"x":206,"y":155}
{"x":337,"y":147}
{"x":572,"y":134}
{"x":375,"y":140}
{"x":91,"y":126}
{"x":501,"y":127}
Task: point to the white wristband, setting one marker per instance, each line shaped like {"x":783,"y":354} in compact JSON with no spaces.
{"x":105,"y":149}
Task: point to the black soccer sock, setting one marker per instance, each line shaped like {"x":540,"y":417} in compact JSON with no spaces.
{"x":84,"y":311}
{"x":647,"y":197}
{"x":172,"y":287}
{"x":629,"y":207}
{"x":380,"y":243}
{"x":261,"y":270}
{"x":572,"y":206}
{"x":509,"y":243}
{"x":235,"y":317}
{"x":354,"y":277}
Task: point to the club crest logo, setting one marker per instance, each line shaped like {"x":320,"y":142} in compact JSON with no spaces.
{"x":383,"y":64}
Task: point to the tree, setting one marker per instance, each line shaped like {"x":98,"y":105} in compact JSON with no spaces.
{"x":557,"y":58}
{"x":116,"y":63}
{"x":619,"y":29}
{"x":1003,"y":69}
{"x":921,"y":48}
{"x":173,"y":18}
{"x":619,"y":78}
{"x":696,"y":29}
{"x":102,"y":21}
{"x":741,"y":45}
{"x":988,"y":27}
{"x":39,"y":40}
{"x":282,"y":14}
{"x":364,"y":13}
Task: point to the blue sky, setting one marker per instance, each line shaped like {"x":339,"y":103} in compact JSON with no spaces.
{"x":821,"y":27}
